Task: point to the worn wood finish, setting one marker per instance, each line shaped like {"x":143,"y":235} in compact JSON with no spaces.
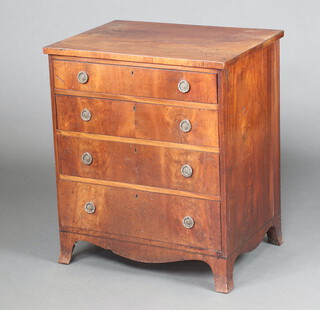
{"x":222,"y":269}
{"x":171,"y":44}
{"x":151,"y":254}
{"x":138,"y":120}
{"x":119,"y":211}
{"x":135,"y":81}
{"x":189,"y":147}
{"x":138,"y":149}
{"x":154,"y":244}
{"x":174,"y":103}
{"x":145,"y":188}
{"x":139,"y":164}
{"x":275,"y":232}
{"x":134,"y":64}
{"x":250,"y":151}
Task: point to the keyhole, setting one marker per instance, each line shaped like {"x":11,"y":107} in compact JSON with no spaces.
{"x":135,"y":150}
{"x":132,"y":72}
{"x":136,"y":196}
{"x":134,"y":108}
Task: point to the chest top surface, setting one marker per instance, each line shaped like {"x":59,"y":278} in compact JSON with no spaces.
{"x":160,"y":43}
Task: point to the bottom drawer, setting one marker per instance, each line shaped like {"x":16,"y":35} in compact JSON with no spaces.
{"x":140,"y":214}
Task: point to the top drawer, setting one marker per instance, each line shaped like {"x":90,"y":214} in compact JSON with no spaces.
{"x":135,"y":81}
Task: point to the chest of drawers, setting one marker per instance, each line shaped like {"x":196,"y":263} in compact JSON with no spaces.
{"x":167,"y":141}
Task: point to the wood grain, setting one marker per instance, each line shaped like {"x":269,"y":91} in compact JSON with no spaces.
{"x":138,"y":149}
{"x":222,"y":269}
{"x":138,"y":120}
{"x":153,"y":244}
{"x":145,"y":188}
{"x":167,"y":102}
{"x":123,"y":212}
{"x":139,"y":164}
{"x":139,"y":141}
{"x":143,"y":252}
{"x":134,"y":64}
{"x":135,"y":81}
{"x":249,"y":146}
{"x":171,"y":44}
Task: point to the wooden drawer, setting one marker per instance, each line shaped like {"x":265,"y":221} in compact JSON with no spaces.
{"x":139,"y":164}
{"x":138,"y":120}
{"x":135,"y":81}
{"x":140,"y":214}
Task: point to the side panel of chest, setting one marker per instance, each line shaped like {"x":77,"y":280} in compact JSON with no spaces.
{"x":250,"y":137}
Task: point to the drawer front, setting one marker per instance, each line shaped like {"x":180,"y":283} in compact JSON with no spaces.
{"x":139,"y":164}
{"x":138,"y":120}
{"x":140,"y":214}
{"x":135,"y":81}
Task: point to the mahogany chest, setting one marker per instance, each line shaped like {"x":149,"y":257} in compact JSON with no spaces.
{"x":167,"y":141}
